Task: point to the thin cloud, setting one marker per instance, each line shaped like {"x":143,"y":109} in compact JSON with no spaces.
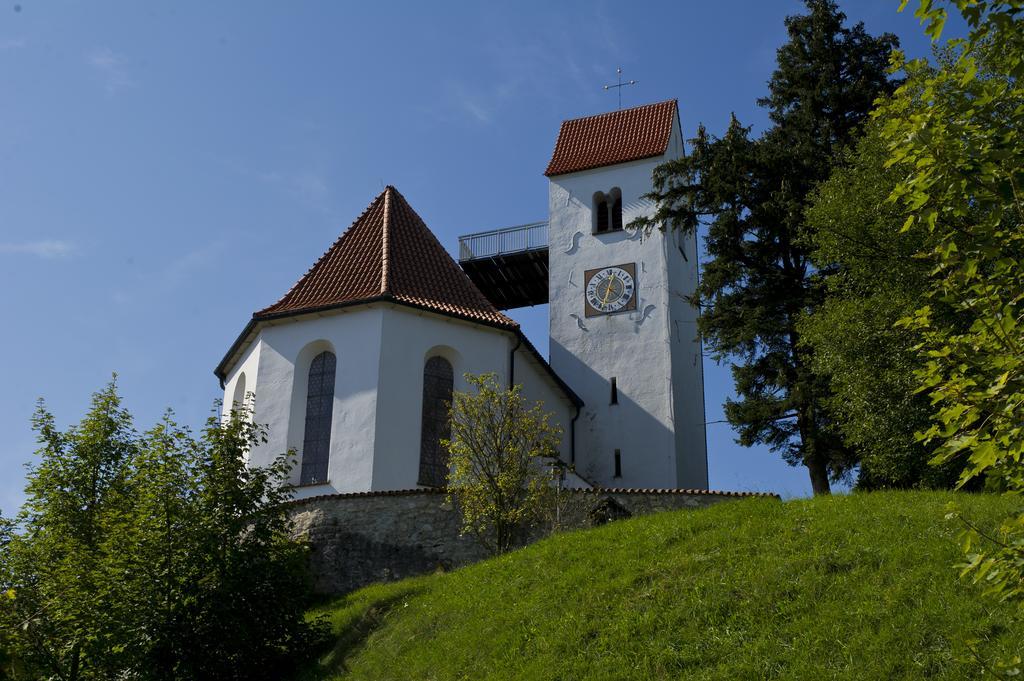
{"x":171,"y":274}
{"x":307,"y":187}
{"x":48,"y":248}
{"x":469,"y":103}
{"x":182,"y":268}
{"x":544,"y":69}
{"x":112,"y":68}
{"x":13,"y":43}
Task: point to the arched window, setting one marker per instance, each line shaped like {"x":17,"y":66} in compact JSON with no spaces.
{"x":316,"y":443}
{"x":600,"y":213}
{"x":238,"y":397}
{"x":437,"y":395}
{"x":616,"y":201}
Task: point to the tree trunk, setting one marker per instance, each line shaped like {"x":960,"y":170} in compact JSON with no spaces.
{"x":819,"y":475}
{"x":76,"y":659}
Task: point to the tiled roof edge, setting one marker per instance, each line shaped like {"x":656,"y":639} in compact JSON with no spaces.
{"x":559,"y":381}
{"x":672,"y":100}
{"x":386,"y":241}
{"x":221,"y":371}
{"x":596,"y":490}
{"x":605,"y":165}
{"x":693,"y":492}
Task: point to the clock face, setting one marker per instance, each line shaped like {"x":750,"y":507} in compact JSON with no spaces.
{"x":610,"y":289}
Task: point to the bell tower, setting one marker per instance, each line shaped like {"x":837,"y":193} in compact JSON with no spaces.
{"x":623,"y":334}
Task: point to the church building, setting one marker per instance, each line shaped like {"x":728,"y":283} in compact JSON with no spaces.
{"x":352,"y":368}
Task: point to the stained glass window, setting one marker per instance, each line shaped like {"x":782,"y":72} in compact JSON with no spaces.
{"x":316,"y":444}
{"x":437,"y":395}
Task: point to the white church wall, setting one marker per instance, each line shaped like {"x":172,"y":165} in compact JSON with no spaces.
{"x":381,"y":351}
{"x":687,"y":356}
{"x":287,"y":350}
{"x":539,"y":387}
{"x":409,"y":338}
{"x":687,"y":367}
{"x":634,"y":347}
{"x":243,"y":377}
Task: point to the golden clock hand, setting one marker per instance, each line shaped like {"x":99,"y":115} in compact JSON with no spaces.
{"x":608,"y":291}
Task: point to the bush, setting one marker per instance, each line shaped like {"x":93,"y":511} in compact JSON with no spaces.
{"x":153,"y":556}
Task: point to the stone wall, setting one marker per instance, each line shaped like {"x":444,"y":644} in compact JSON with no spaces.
{"x":357,"y":539}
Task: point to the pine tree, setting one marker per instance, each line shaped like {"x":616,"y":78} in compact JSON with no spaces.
{"x":752,"y":194}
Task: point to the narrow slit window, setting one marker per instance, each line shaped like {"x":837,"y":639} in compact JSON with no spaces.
{"x":618,"y":463}
{"x":615,"y":392}
{"x":617,"y":211}
{"x":600,"y":213}
{"x":316,"y":442}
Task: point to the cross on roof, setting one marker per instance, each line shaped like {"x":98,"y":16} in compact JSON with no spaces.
{"x":618,"y":87}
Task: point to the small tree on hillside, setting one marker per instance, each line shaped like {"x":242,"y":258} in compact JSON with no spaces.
{"x":498,"y":477}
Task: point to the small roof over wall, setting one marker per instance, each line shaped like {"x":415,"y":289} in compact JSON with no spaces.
{"x":613,"y":138}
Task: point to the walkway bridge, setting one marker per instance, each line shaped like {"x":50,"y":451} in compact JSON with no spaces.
{"x":509,"y":265}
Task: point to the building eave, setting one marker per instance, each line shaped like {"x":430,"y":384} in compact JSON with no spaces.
{"x":562,"y":385}
{"x":608,"y":165}
{"x":259,"y":320}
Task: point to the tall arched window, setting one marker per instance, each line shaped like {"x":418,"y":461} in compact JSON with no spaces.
{"x":600,"y":213}
{"x":238,"y":397}
{"x":316,"y":443}
{"x":437,"y":395}
{"x":616,"y":201}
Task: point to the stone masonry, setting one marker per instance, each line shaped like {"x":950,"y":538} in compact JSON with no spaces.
{"x":362,"y":538}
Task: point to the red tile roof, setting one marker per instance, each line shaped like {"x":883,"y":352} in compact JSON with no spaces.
{"x":611,"y":138}
{"x":388,"y":254}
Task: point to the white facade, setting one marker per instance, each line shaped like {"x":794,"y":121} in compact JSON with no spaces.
{"x":653,"y":352}
{"x":380,"y":350}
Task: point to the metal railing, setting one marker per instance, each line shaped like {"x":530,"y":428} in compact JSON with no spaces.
{"x":502,"y":241}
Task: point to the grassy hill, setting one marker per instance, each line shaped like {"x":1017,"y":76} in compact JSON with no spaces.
{"x":854,"y":587}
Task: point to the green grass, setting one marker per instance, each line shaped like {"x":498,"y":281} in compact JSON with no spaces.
{"x":852,"y":587}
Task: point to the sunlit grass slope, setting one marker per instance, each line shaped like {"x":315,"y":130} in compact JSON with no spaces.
{"x":854,"y":587}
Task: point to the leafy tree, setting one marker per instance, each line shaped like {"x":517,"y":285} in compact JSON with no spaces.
{"x":160,"y":556}
{"x":872,"y":280}
{"x":499,"y":477}
{"x":246,"y":608}
{"x":961,"y":132}
{"x":753,"y":194}
{"x":62,"y":614}
{"x":6,"y":594}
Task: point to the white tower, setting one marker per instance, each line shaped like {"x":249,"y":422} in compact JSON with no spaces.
{"x":623,"y":334}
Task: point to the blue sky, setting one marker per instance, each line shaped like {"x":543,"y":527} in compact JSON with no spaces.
{"x":166,"y":168}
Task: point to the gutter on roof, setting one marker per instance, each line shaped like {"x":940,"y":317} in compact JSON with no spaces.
{"x":512,"y":362}
{"x":572,"y":437}
{"x":595,"y":166}
{"x":573,"y":397}
{"x":221,"y":371}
